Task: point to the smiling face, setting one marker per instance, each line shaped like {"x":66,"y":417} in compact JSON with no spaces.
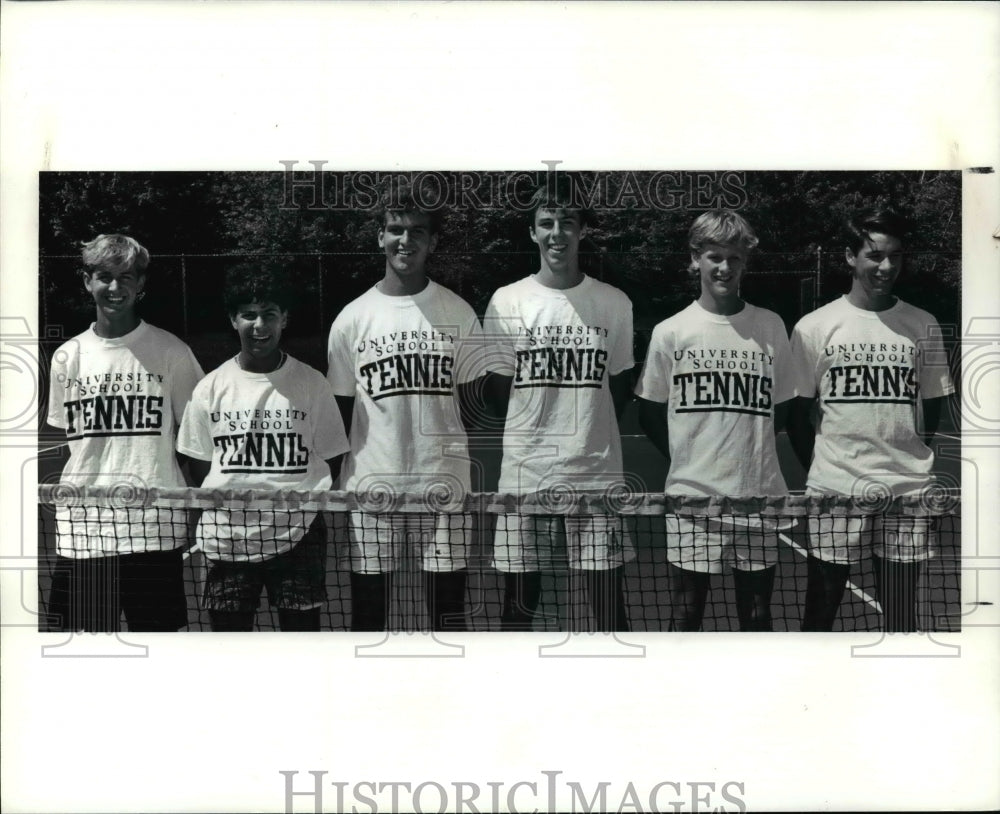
{"x":407,"y":241}
{"x":720,"y":269}
{"x":558,"y":232}
{"x":115,"y":292}
{"x":259,"y":325}
{"x":874,"y":270}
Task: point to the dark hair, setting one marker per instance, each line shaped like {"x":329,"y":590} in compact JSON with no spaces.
{"x":257,"y":281}
{"x":560,"y":191}
{"x":883,"y":220}
{"x":401,"y":195}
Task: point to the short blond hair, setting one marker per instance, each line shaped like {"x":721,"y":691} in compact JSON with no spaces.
{"x":113,"y":252}
{"x":724,"y":227}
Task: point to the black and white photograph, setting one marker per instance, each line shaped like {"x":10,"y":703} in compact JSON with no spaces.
{"x":513,"y":369}
{"x":594,"y":431}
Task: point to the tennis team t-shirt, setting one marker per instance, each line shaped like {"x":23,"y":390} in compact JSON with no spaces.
{"x":401,"y":359}
{"x":869,"y":371}
{"x":560,"y":346}
{"x":264,"y":431}
{"x":120,"y":401}
{"x":720,"y":377}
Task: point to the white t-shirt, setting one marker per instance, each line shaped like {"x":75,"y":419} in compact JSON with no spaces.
{"x":264,"y":431}
{"x":561,"y":347}
{"x":720,"y":377}
{"x":119,"y":401}
{"x":869,"y":370}
{"x":401,"y":359}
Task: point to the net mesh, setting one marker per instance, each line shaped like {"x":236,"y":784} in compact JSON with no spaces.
{"x":239,"y":551}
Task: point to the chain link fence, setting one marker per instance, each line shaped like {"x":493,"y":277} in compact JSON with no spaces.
{"x":184,"y":292}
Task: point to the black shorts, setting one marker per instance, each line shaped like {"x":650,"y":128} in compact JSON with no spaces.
{"x":295,"y":579}
{"x":91,"y":594}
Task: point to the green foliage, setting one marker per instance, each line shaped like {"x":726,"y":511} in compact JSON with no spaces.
{"x":635,"y":244}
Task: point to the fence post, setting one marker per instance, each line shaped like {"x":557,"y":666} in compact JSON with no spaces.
{"x":319,"y":281}
{"x":807,"y":296}
{"x":184,"y":296}
{"x":44,"y":294}
{"x":819,"y":277}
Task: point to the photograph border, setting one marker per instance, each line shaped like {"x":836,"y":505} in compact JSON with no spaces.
{"x":809,"y":725}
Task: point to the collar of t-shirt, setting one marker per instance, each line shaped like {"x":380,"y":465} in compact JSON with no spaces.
{"x":277,"y":373}
{"x":580,"y":288}
{"x":406,"y":300}
{"x":723,"y":319}
{"x":137,"y":333}
{"x":864,"y":313}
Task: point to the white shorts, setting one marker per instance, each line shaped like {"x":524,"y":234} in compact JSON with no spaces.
{"x":526,"y":542}
{"x":708,"y":544}
{"x":847,"y":540}
{"x":379,"y":543}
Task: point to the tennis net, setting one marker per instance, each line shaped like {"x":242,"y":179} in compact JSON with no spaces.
{"x":652,"y":526}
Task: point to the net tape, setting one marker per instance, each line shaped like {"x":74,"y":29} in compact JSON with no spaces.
{"x":928,"y":503}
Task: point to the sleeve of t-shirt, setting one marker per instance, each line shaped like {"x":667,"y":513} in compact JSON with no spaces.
{"x":935,"y":376}
{"x":470,"y":353}
{"x":184,"y":375}
{"x":654,"y":383}
{"x":194,"y":438}
{"x":622,"y":357}
{"x":784,"y":386}
{"x":340,"y":359}
{"x":57,"y":389}
{"x":329,"y":438}
{"x":498,"y":338}
{"x":803,"y":361}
